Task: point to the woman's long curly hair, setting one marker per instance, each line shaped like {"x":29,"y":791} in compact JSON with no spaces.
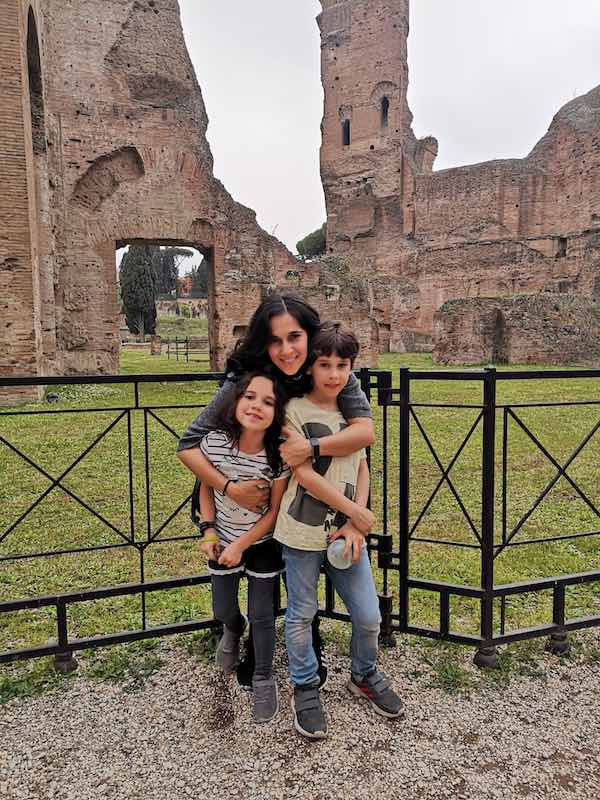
{"x":250,"y":352}
{"x":228,"y":423}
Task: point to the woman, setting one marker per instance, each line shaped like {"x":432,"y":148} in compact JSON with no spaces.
{"x":278,"y":342}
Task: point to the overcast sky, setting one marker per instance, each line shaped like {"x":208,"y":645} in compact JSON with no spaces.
{"x":486,"y":78}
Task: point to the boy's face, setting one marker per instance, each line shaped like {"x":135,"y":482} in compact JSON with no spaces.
{"x":330,"y":374}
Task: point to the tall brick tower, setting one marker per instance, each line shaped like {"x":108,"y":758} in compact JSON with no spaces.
{"x":369,"y":153}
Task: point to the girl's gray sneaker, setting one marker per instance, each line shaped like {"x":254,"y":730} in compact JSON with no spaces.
{"x":227,"y":653}
{"x":266,"y":702}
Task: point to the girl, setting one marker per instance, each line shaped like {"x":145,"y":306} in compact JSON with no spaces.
{"x":245,"y":446}
{"x":277,"y":341}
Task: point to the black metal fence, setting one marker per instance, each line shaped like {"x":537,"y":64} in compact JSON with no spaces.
{"x":409,"y":475}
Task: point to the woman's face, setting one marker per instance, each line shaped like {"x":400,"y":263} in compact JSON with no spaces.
{"x":255,"y":409}
{"x":288,"y":344}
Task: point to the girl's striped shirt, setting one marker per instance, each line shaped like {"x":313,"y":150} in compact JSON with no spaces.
{"x":233,"y":520}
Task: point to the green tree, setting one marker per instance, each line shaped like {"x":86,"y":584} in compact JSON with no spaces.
{"x":138,"y":289}
{"x":200,"y":279}
{"x":167,"y":261}
{"x":313,"y":244}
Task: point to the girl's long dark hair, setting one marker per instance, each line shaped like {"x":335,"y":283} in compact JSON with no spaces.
{"x":227,"y":422}
{"x":250,"y":352}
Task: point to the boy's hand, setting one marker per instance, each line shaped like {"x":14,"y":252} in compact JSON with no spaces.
{"x":363,"y":519}
{"x":354,"y":541}
{"x":252,"y":495}
{"x":296,"y":449}
{"x":232,"y":555}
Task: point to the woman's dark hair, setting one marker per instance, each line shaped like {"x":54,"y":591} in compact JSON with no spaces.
{"x":250,"y":352}
{"x":227,"y":422}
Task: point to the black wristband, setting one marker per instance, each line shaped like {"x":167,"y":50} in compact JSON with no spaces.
{"x":224,"y":492}
{"x":316,"y":449}
{"x":204,"y":526}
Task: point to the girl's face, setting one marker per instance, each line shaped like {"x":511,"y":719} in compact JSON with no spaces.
{"x":255,"y":409}
{"x":288,"y":344}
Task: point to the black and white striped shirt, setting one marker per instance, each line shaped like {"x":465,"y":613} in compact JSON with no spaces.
{"x":233,"y":520}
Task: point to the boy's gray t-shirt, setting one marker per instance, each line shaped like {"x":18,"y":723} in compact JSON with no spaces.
{"x":352,"y":403}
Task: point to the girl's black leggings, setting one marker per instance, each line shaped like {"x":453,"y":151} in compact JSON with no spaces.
{"x":261,"y":614}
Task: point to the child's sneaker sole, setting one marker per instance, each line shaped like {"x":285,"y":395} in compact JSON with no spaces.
{"x":358,"y":692}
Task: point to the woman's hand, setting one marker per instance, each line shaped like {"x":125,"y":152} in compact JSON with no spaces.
{"x":363,"y":519}
{"x":252,"y":495}
{"x":354,"y":541}
{"x":296,"y":448}
{"x":232,"y":555}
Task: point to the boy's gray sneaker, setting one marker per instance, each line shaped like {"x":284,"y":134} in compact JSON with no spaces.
{"x":227,"y":653}
{"x":377,"y":689}
{"x":309,"y":717}
{"x":266,"y":702}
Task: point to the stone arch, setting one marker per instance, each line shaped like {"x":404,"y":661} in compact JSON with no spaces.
{"x":105,"y":175}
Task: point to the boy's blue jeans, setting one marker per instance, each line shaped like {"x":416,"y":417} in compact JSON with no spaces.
{"x":354,"y":585}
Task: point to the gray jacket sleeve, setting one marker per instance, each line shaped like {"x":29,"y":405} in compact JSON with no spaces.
{"x":206,"y":421}
{"x":352,"y":401}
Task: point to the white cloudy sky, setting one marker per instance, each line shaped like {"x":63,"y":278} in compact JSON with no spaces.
{"x":486,"y":78}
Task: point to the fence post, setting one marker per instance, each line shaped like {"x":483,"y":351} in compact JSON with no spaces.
{"x":63,"y":660}
{"x":385,"y":543}
{"x":403,"y":496}
{"x":486,"y":655}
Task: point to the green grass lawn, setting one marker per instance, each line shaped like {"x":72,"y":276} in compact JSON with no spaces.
{"x":170,"y":327}
{"x":59,"y":523}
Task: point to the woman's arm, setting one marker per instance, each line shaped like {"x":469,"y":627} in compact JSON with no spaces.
{"x":320,"y":488}
{"x":232,"y":555}
{"x":247,"y":494}
{"x":355,"y":407}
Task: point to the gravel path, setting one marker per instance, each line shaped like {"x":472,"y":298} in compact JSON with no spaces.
{"x":186,"y":735}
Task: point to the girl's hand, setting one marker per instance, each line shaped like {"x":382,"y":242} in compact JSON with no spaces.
{"x":211,"y":550}
{"x":362,"y":519}
{"x":252,"y":495}
{"x":296,"y":449}
{"x":232,"y":555}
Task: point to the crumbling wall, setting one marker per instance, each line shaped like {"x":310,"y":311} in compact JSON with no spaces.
{"x":525,"y":329}
{"x":421,"y":237}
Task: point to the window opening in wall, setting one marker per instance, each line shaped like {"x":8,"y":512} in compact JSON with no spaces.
{"x":36,"y":93}
{"x":346,"y":132}
{"x":385,"y":112}
{"x":165,"y":289}
{"x":562,"y":247}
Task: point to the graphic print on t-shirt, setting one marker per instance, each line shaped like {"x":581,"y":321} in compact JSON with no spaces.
{"x":307,"y":509}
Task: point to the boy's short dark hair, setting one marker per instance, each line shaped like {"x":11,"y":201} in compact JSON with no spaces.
{"x":334,"y":338}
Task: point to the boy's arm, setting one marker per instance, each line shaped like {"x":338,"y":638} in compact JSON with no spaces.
{"x":208,"y":512}
{"x":248,"y":494}
{"x":232,"y":555}
{"x":354,"y":538}
{"x":320,"y":488}
{"x":360,"y":433}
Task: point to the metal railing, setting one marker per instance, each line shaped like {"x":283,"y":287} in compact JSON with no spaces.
{"x":398,"y":493}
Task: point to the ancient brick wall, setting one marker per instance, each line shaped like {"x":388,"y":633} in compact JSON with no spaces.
{"x":21,"y":348}
{"x":525,"y":329}
{"x":118,"y":154}
{"x":420,"y":238}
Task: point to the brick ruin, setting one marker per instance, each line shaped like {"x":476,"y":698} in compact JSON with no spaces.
{"x":102,"y":132}
{"x":420,"y":238}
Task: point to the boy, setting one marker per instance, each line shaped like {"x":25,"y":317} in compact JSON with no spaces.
{"x":325,"y":500}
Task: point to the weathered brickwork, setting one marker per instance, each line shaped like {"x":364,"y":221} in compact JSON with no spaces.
{"x":118,"y":154}
{"x":525,"y":329}
{"x":419,"y":237}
